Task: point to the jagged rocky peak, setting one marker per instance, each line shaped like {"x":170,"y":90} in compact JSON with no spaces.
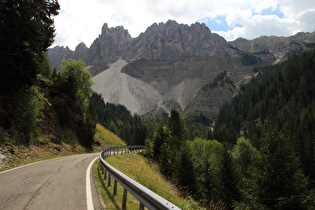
{"x":81,"y":52}
{"x":58,"y":54}
{"x":170,"y":40}
{"x":111,"y":45}
{"x":163,"y":41}
{"x":173,"y":24}
{"x":118,"y":31}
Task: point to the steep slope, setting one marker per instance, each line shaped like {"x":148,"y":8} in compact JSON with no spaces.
{"x":117,"y":87}
{"x":181,"y":81}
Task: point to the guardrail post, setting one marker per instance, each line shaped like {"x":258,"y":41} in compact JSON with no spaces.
{"x":108,"y":180}
{"x":102,"y":168}
{"x":141,"y":207}
{"x":105,"y":173}
{"x":124,"y":202}
{"x":115,"y":187}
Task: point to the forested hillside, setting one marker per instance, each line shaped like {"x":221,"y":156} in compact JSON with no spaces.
{"x":120,"y":121}
{"x":282,"y":96}
{"x":263,"y":153}
{"x":276,"y":112}
{"x":37,"y":104}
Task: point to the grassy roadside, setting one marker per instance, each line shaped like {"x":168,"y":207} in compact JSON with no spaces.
{"x":146,"y":173}
{"x":110,"y":200}
{"x":13,"y":156}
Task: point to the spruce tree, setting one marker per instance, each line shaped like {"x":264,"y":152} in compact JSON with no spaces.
{"x":184,"y":171}
{"x":178,"y":129}
{"x":278,"y":179}
{"x":161,"y":135}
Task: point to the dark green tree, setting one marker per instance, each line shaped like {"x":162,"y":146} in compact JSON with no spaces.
{"x":27,"y":30}
{"x":161,"y":135}
{"x":164,"y":160}
{"x":88,"y":127}
{"x":230,"y":179}
{"x":77,"y":81}
{"x":112,"y":127}
{"x":278,"y":180}
{"x":178,"y":129}
{"x":185,"y":173}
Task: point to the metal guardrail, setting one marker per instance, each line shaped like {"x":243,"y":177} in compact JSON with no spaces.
{"x":144,"y":195}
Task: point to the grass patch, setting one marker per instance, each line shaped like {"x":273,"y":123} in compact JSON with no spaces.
{"x":110,"y":200}
{"x":106,"y":136}
{"x":146,"y":173}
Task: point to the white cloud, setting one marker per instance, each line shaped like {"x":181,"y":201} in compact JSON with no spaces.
{"x":81,"y":20}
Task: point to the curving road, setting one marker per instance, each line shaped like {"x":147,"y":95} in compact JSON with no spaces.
{"x":51,"y":184}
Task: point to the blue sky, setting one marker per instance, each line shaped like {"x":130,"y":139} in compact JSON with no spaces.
{"x":219,"y":23}
{"x":81,"y":20}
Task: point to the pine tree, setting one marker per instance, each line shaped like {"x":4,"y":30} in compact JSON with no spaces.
{"x":161,"y":135}
{"x":185,"y":174}
{"x":279,"y":181}
{"x":164,"y":160}
{"x":178,"y":129}
{"x":230,"y":179}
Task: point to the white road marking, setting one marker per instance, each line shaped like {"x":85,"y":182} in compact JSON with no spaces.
{"x":12,"y":169}
{"x":89,"y":200}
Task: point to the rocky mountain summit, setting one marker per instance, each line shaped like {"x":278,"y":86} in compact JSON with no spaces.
{"x":173,"y":65}
{"x":163,"y":41}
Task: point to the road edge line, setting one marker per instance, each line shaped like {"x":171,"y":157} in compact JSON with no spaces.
{"x":89,"y":199}
{"x":22,"y":166}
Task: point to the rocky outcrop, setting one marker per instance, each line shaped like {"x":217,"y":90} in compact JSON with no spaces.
{"x":172,"y":40}
{"x":110,"y":46}
{"x":58,"y":54}
{"x":277,"y":47}
{"x":81,"y":52}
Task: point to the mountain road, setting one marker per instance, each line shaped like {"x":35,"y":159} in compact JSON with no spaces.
{"x":61,"y":183}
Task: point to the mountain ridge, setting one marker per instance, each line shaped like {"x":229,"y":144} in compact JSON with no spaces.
{"x":176,"y":64}
{"x":121,"y":36}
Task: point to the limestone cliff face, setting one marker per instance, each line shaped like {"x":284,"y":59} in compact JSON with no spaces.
{"x":81,"y":52}
{"x":58,"y":54}
{"x":160,"y":42}
{"x":172,"y":40}
{"x":111,"y":45}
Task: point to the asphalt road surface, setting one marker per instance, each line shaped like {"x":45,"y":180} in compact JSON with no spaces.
{"x":51,"y":184}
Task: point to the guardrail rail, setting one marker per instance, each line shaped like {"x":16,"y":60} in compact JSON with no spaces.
{"x":146,"y":197}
